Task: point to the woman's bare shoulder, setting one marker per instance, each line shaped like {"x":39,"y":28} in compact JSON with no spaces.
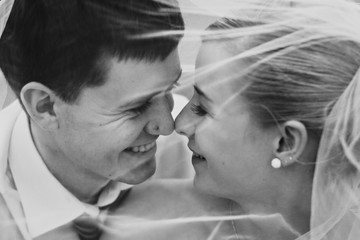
{"x":176,"y":194}
{"x":159,"y":209}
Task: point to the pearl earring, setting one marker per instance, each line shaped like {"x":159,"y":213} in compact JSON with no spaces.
{"x":276,"y":163}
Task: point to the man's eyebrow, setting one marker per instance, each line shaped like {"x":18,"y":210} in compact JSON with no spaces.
{"x":141,"y":99}
{"x":179,"y":76}
{"x":176,"y":81}
{"x":145,"y":98}
{"x":201,"y":93}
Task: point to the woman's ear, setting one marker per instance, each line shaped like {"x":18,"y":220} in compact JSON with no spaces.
{"x":292,"y":142}
{"x":38,"y":101}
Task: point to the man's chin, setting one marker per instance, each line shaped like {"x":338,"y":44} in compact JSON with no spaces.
{"x":140,"y":174}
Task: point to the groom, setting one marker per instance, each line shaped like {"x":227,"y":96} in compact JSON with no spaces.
{"x":93,"y":80}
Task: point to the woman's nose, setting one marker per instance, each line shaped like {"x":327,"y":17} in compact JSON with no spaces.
{"x":185,"y":123}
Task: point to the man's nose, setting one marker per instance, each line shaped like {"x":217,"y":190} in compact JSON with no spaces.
{"x":161,"y":122}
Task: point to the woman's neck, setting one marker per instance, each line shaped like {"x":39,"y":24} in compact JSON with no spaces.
{"x":285,"y":219}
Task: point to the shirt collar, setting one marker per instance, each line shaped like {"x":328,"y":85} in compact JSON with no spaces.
{"x":47,"y":203}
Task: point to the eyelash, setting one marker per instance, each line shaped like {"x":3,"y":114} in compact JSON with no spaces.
{"x":198,"y":110}
{"x":141,"y":109}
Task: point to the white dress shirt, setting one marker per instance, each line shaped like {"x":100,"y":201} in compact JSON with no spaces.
{"x":45,"y":202}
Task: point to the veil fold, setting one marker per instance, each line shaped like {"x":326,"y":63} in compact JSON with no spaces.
{"x":335,"y":204}
{"x":336,"y":187}
{"x":5,"y":8}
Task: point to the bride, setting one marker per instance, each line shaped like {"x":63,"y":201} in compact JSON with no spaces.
{"x":274,"y":127}
{"x":269,"y":110}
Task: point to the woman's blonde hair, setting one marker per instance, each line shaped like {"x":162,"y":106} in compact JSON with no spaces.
{"x":295,"y":82}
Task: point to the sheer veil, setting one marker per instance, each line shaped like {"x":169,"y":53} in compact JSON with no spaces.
{"x":335,"y":204}
{"x":5,"y":8}
{"x":335,"y":212}
{"x":336,"y":187}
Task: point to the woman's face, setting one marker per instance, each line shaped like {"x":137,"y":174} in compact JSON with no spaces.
{"x":231,"y":151}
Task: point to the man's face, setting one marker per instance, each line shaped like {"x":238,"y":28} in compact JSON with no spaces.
{"x":110,"y":132}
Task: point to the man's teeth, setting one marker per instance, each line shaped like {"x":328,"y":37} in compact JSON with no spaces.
{"x":143,"y":148}
{"x":199,"y":156}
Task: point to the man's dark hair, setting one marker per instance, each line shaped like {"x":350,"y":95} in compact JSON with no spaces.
{"x":63,"y":44}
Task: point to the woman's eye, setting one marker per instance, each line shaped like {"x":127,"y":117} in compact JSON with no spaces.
{"x":141,"y":109}
{"x":198,"y":110}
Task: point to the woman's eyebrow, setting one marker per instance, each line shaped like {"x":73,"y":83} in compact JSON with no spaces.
{"x":201,"y":93}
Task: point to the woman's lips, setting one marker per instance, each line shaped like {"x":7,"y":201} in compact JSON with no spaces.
{"x":199,"y":156}
{"x":196,"y":155}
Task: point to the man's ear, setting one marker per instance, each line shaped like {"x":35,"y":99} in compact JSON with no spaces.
{"x":292,"y":142}
{"x":38,"y":101}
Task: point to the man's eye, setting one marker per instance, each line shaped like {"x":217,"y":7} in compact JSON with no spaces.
{"x":198,"y":110}
{"x":141,"y":109}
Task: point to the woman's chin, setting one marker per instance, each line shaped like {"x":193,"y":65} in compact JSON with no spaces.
{"x":202,"y":185}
